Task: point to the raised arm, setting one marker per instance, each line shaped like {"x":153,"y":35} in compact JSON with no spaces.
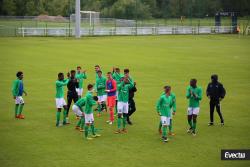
{"x":188,"y":94}
{"x":62,"y":83}
{"x":199,"y":94}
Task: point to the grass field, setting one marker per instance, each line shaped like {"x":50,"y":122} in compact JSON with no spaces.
{"x":154,"y":61}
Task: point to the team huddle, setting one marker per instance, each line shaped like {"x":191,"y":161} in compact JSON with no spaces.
{"x":114,"y":93}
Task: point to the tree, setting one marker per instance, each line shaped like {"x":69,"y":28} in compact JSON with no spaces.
{"x":9,"y":7}
{"x":129,"y":9}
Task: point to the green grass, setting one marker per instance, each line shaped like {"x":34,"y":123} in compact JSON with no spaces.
{"x":154,"y":61}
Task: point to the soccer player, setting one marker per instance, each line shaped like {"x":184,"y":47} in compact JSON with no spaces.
{"x":60,"y":102}
{"x":194,"y":94}
{"x":111,"y":93}
{"x":78,"y":109}
{"x":123,"y":97}
{"x":17,"y":92}
{"x":126,"y":74}
{"x":80,"y":76}
{"x":131,"y":103}
{"x":173,"y":112}
{"x":71,"y":94}
{"x":97,"y":68}
{"x":215,"y":92}
{"x":102,"y":96}
{"x":164,"y":105}
{"x":88,"y":113}
{"x":116,"y":75}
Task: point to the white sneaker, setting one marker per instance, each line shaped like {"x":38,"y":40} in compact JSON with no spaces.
{"x":189,"y":130}
{"x":110,"y":123}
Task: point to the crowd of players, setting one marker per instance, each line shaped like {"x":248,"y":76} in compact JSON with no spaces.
{"x":113,"y":92}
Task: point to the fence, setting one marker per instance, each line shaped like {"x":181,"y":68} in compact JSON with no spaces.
{"x":102,"y":31}
{"x":64,"y":26}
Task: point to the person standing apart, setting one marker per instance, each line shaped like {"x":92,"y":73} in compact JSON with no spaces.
{"x":215,"y":92}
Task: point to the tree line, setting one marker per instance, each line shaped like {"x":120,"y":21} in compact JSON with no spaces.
{"x":127,"y":9}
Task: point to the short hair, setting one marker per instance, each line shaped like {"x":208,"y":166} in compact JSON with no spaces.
{"x":193,"y":80}
{"x":167,"y":87}
{"x":214,"y":76}
{"x":97,"y":66}
{"x":19,"y":73}
{"x":60,"y":74}
{"x":72,"y":71}
{"x":126,"y":70}
{"x":118,"y":69}
{"x":99,"y":71}
{"x":79,"y":67}
{"x":89,"y":86}
{"x":95,"y":98}
{"x":109,"y":73}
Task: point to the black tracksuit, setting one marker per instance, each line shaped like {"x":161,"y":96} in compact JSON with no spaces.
{"x":215,"y":91}
{"x":131,"y":102}
{"x":72,"y":94}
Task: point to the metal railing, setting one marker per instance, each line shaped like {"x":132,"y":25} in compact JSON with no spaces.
{"x":108,"y":31}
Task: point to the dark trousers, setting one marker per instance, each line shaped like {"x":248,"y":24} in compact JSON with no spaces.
{"x":131,"y":107}
{"x":215,"y":104}
{"x":71,"y":97}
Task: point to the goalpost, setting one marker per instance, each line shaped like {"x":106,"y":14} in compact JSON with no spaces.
{"x":92,"y":15}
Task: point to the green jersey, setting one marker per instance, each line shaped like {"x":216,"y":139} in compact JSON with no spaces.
{"x":164,"y":105}
{"x":81,"y":76}
{"x":100,"y":86}
{"x":17,"y":87}
{"x":173,"y":100}
{"x":194,"y":95}
{"x":96,"y":74}
{"x":59,"y":87}
{"x":81,"y":103}
{"x":89,"y":103}
{"x":123,"y":91}
{"x":117,"y":77}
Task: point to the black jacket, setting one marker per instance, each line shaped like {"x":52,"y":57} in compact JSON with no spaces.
{"x":132,"y":92}
{"x":72,"y":85}
{"x":215,"y":91}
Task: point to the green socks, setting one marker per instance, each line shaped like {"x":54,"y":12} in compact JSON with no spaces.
{"x":190,"y":123}
{"x":58,"y":118}
{"x":116,"y":108}
{"x":82,"y":122}
{"x":119,"y":122}
{"x":86,"y":130}
{"x":79,"y":122}
{"x":164,"y":131}
{"x":16,"y":109}
{"x":194,"y":126}
{"x":170,"y":125}
{"x":124,"y":121}
{"x":92,"y":129}
{"x":20,"y":109}
{"x":160,"y":125}
{"x":99,"y":108}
